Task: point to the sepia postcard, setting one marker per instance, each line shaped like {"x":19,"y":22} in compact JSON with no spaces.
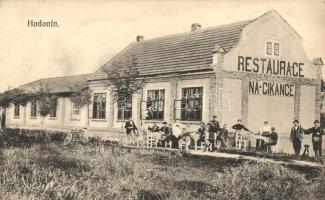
{"x":157,"y":100}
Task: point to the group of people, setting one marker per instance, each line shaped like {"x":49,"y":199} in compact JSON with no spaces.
{"x":297,"y":133}
{"x":212,"y":132}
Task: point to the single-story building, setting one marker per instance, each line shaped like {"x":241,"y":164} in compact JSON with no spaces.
{"x":255,"y":70}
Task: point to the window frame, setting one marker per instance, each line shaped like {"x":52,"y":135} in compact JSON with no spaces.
{"x":269,"y":48}
{"x":158,"y":114}
{"x":124,"y":114}
{"x":33,"y":109}
{"x":16,"y":110}
{"x":278,"y":49}
{"x":272,"y":49}
{"x":185,"y":115}
{"x":74,"y":108}
{"x":99,"y":114}
{"x":53,"y":111}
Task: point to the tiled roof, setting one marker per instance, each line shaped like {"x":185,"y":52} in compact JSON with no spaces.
{"x":191,"y":51}
{"x":63,"y":84}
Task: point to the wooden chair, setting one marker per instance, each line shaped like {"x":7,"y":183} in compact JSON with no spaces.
{"x":241,"y":140}
{"x":184,"y":143}
{"x":196,"y":138}
{"x":153,"y":139}
{"x":168,"y":144}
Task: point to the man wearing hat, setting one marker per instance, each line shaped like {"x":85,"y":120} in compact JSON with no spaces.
{"x":317,"y":133}
{"x":296,"y":137}
{"x":213,"y":130}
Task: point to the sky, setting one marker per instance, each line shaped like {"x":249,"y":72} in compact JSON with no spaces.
{"x":91,"y":32}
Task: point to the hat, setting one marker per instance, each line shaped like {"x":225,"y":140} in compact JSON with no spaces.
{"x":295,"y":121}
{"x":316,"y":121}
{"x":165,"y":123}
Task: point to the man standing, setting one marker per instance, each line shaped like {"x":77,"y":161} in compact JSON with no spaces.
{"x":296,"y":135}
{"x":129,"y":128}
{"x":214,"y":128}
{"x":317,"y":133}
{"x":222,"y":136}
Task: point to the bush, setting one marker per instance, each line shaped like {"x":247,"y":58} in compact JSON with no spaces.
{"x":51,"y":171}
{"x":264,"y":181}
{"x":27,"y":137}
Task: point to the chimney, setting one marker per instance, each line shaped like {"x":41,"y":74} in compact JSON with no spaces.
{"x":318,"y":61}
{"x":195,"y":27}
{"x":140,"y":38}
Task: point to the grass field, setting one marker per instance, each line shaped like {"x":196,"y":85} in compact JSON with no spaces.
{"x":51,"y":171}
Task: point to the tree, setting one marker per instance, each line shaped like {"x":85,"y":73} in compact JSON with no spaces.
{"x":80,"y":96}
{"x":40,"y":94}
{"x":123,"y":79}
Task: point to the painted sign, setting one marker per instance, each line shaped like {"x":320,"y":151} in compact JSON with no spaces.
{"x":271,"y":89}
{"x":270,"y":66}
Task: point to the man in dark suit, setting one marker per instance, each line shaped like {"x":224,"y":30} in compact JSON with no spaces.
{"x":154,"y":128}
{"x":239,"y":126}
{"x":296,"y":135}
{"x":214,"y":128}
{"x":166,"y":134}
{"x":130,"y":127}
{"x":317,"y":133}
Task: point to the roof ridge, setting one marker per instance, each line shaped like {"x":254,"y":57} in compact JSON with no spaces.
{"x":194,"y":32}
{"x":87,"y":74}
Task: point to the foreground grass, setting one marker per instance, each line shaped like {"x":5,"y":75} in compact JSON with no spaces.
{"x":50,"y":171}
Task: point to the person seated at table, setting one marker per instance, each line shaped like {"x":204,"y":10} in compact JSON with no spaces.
{"x":239,"y":126}
{"x":177,"y":132}
{"x":273,"y":138}
{"x":201,"y":131}
{"x":154,"y":128}
{"x":264,"y":130}
{"x":222,"y":136}
{"x":165,"y":130}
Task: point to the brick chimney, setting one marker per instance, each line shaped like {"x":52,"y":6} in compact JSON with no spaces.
{"x":195,"y":27}
{"x":140,"y":38}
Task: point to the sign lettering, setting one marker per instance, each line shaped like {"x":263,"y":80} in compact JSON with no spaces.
{"x":271,"y":89}
{"x":270,"y":66}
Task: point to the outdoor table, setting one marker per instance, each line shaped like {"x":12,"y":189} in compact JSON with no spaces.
{"x":255,"y":137}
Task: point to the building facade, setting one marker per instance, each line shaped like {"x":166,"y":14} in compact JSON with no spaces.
{"x":254,"y":70}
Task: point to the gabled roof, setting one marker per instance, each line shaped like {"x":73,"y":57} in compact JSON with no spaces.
{"x":185,"y":52}
{"x":63,"y":84}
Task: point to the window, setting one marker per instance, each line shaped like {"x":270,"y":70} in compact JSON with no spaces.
{"x":124,"y":108}
{"x":191,"y":104}
{"x":155,"y":104}
{"x":53,"y":109}
{"x":33,"y":109}
{"x":75,"y":111}
{"x":269,"y":48}
{"x":276,"y":49}
{"x":273,"y":48}
{"x":99,"y":106}
{"x":16,"y":111}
